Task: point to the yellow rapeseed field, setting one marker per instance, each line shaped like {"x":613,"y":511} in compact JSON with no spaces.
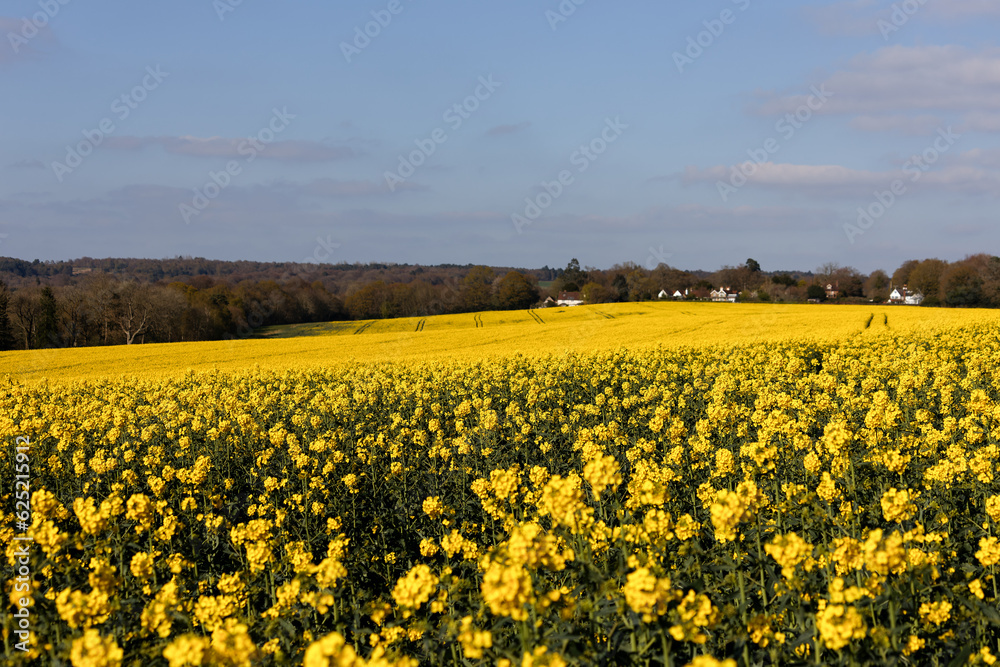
{"x":648,"y":484}
{"x":471,"y":337}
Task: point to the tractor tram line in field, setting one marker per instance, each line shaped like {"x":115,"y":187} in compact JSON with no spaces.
{"x":364,"y":327}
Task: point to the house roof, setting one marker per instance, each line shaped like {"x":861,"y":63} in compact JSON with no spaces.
{"x":570,"y":296}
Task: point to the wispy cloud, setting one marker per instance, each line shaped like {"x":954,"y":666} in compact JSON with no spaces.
{"x":237,"y":148}
{"x":15,"y":47}
{"x":979,"y":121}
{"x":905,"y":78}
{"x":711,"y":218}
{"x":501,"y":130}
{"x":833,"y":179}
{"x":28,"y":164}
{"x":850,"y":17}
{"x":980,"y":157}
{"x":970,"y":174}
{"x":965,"y":9}
{"x":915,"y":125}
{"x":863,"y":17}
{"x":8,"y":25}
{"x":331,"y":188}
{"x":896,"y":88}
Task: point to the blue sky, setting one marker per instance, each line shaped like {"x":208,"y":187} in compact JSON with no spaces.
{"x":284,"y":132}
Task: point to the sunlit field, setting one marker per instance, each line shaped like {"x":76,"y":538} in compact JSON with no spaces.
{"x":634,"y":484}
{"x":476,"y":336}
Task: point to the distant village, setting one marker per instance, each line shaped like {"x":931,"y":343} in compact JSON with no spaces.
{"x":901,"y":296}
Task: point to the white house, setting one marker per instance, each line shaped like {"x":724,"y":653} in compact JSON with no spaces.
{"x":569,"y":299}
{"x":906,"y":297}
{"x":678,"y":295}
{"x":663,"y":294}
{"x":724,"y":294}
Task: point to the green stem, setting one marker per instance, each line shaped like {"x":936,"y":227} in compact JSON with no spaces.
{"x":892,"y":624}
{"x":743,"y":595}
{"x":760,"y":561}
{"x":668,"y":659}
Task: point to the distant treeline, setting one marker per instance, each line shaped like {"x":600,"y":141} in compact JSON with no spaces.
{"x":125,"y":301}
{"x":91,"y":307}
{"x":16,"y":272}
{"x":106,"y":310}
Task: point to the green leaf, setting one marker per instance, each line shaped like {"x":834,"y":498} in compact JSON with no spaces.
{"x":989,"y":612}
{"x":962,"y":657}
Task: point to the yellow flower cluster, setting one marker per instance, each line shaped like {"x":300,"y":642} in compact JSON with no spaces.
{"x":93,"y":650}
{"x":414,"y":589}
{"x":602,"y":472}
{"x":935,"y":613}
{"x":790,"y":551}
{"x":839,"y":624}
{"x":989,"y":551}
{"x":825,"y":495}
{"x":898,"y":506}
{"x":507,"y":589}
{"x":474,"y":642}
{"x":730,"y":508}
{"x":648,"y":595}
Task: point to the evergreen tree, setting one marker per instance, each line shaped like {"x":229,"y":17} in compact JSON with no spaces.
{"x":6,"y":331}
{"x":48,"y":319}
{"x":573,"y":277}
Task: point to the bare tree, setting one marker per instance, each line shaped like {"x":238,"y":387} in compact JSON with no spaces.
{"x":75,"y":313}
{"x":828,"y":272}
{"x":169,"y":307}
{"x":133,"y":309}
{"x":26,"y":312}
{"x":100,"y":288}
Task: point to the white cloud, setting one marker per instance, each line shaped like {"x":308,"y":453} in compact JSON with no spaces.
{"x":900,"y":78}
{"x":979,"y":157}
{"x":769,"y":174}
{"x":965,"y":174}
{"x":980,"y":121}
{"x":912,"y":90}
{"x":915,"y":125}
